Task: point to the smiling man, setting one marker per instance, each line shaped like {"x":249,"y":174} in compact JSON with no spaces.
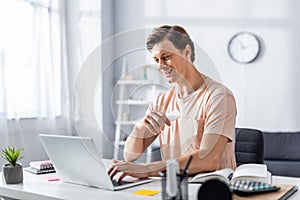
{"x":206,"y":127}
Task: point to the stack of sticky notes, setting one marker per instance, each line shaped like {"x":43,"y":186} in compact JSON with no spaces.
{"x":146,"y":192}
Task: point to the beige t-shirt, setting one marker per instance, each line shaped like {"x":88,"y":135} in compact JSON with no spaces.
{"x":209,"y":110}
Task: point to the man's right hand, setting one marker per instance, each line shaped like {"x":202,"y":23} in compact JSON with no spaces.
{"x":155,"y":122}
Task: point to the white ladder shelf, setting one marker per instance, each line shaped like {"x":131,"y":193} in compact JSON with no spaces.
{"x":121,"y":102}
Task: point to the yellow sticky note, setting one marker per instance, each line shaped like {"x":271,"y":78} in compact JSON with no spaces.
{"x":146,"y":192}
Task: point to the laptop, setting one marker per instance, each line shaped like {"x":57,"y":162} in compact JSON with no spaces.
{"x":76,"y":160}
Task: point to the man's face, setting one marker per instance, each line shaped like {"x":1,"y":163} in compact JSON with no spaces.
{"x":172,"y":62}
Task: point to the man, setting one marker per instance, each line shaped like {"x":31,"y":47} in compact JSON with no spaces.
{"x":206,"y":127}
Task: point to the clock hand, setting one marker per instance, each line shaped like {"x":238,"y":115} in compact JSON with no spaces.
{"x":249,"y":45}
{"x":241,"y":44}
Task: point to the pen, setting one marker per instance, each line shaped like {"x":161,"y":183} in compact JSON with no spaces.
{"x":187,"y":164}
{"x":184,"y":172}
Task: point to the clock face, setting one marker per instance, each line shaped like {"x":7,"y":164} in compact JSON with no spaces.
{"x":244,"y":47}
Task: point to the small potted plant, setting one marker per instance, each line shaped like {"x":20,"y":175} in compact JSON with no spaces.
{"x":12,"y":171}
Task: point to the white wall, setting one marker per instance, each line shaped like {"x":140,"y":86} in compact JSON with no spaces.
{"x":266,"y":91}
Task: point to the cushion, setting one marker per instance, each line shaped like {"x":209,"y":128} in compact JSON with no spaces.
{"x":282,"y":146}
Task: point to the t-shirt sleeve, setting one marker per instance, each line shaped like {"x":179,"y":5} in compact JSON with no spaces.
{"x":221,"y":115}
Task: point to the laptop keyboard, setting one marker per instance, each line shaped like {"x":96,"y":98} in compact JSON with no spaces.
{"x":115,"y":183}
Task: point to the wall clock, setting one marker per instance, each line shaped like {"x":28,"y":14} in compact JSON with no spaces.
{"x":244,"y":47}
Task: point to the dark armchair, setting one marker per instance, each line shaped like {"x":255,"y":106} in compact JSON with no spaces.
{"x":249,"y":146}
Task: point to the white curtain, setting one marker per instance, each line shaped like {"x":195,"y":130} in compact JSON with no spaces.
{"x":34,"y":89}
{"x":87,"y":92}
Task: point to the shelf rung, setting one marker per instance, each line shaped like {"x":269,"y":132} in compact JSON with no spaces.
{"x":132,"y":102}
{"x":134,"y":82}
{"x":120,"y":142}
{"x":125,"y":122}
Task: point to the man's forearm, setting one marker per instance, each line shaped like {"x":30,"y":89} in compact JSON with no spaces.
{"x":133,"y":148}
{"x":134,"y":145}
{"x":156,"y":167}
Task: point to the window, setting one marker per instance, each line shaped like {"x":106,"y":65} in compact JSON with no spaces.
{"x":89,"y":26}
{"x":31,"y":58}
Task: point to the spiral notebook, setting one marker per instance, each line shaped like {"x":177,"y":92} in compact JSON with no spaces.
{"x":40,"y":167}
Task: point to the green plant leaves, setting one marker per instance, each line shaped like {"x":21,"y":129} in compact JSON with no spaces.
{"x":12,"y":155}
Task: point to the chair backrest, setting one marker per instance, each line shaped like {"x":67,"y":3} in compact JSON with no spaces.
{"x":249,"y":146}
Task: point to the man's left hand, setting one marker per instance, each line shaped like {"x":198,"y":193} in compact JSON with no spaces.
{"x":137,"y":170}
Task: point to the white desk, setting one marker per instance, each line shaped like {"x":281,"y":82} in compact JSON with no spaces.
{"x":36,"y":187}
